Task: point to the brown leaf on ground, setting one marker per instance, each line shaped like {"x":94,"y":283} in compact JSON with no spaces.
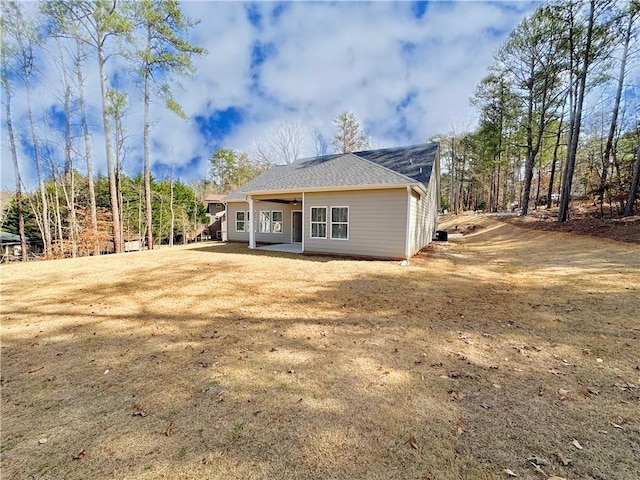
{"x":576,"y":444}
{"x":169,"y":431}
{"x":138,"y":412}
{"x":538,"y":469}
{"x":563,"y":459}
{"x":455,"y":395}
{"x":413,"y":443}
{"x":509,"y":472}
{"x":79,"y":455}
{"x":538,"y":460}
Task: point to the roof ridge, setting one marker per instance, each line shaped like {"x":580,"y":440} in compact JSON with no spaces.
{"x":405,"y":147}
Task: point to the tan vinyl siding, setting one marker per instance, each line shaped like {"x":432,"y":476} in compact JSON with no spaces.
{"x":424,"y":217}
{"x":232,"y":235}
{"x":258,"y":206}
{"x":285,"y":236}
{"x":377,"y":222}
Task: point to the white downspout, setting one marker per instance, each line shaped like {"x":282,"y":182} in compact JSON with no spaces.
{"x":252,"y":233}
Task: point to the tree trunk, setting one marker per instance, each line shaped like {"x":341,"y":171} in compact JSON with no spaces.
{"x":614,"y":117}
{"x":185,"y":221}
{"x":556,"y":147}
{"x":147,"y":166}
{"x":113,"y":191}
{"x":16,"y":167}
{"x":633,"y":192}
{"x":538,"y":186}
{"x":533,"y":149}
{"x":69,"y":176}
{"x":87,"y":147}
{"x":565,"y":199}
{"x":58,"y":216}
{"x":461,"y":183}
{"x":452,"y":175}
{"x":173,"y":215}
{"x":529,"y":163}
{"x":119,"y":148}
{"x":46,"y":226}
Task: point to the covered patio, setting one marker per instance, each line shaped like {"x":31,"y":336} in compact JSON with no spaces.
{"x":283,"y":247}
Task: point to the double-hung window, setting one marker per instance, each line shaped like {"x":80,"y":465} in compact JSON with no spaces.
{"x":277,"y":221}
{"x":340,"y":223}
{"x":264,"y":219}
{"x":318,"y":222}
{"x":241,"y":222}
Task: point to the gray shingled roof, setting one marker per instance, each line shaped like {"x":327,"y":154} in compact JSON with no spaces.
{"x":415,"y":162}
{"x":11,"y":238}
{"x":384,"y":167}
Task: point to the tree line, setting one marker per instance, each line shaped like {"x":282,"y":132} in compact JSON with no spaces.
{"x":178,"y":214}
{"x":558,"y":116}
{"x":284,"y":144}
{"x":151,"y":38}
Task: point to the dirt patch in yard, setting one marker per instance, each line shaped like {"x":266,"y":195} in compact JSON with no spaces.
{"x":585,"y":219}
{"x":214,"y":361}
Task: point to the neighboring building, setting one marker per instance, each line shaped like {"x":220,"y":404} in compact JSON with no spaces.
{"x":377,"y":203}
{"x":10,"y":248}
{"x":216,"y":212}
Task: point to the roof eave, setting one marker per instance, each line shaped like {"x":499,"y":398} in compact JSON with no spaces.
{"x":418,"y":187}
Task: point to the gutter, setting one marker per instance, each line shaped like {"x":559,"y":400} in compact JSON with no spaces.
{"x":417,"y":187}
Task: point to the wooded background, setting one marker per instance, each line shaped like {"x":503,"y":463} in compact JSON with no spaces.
{"x":559,"y":119}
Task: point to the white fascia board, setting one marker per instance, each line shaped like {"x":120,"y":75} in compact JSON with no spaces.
{"x":416,"y":186}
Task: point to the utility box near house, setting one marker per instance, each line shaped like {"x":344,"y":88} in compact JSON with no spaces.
{"x":441,"y":236}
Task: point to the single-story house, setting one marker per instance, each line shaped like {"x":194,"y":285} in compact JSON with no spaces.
{"x":378,"y":203}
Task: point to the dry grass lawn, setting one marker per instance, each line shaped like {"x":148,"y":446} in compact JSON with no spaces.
{"x":213,"y":361}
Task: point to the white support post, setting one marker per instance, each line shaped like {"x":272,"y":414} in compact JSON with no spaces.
{"x":303,"y":207}
{"x":252,"y":230}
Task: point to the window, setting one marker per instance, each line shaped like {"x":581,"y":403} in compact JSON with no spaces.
{"x":340,"y":223}
{"x":265,"y":221}
{"x":276,"y":221}
{"x":318,"y":222}
{"x":240,"y":222}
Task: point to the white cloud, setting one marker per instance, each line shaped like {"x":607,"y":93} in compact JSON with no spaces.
{"x":406,"y":78}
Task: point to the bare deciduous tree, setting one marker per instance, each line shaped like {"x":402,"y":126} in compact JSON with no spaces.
{"x":282,"y":145}
{"x":6,"y":86}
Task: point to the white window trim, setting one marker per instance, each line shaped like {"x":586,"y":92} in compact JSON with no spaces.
{"x":311,"y":222}
{"x":243,"y":221}
{"x":277,"y":221}
{"x":260,"y":222}
{"x":331,"y":222}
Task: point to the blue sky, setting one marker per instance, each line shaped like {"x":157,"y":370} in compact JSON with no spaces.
{"x":406,"y":69}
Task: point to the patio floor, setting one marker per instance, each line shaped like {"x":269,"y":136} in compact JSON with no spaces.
{"x":283,"y":247}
